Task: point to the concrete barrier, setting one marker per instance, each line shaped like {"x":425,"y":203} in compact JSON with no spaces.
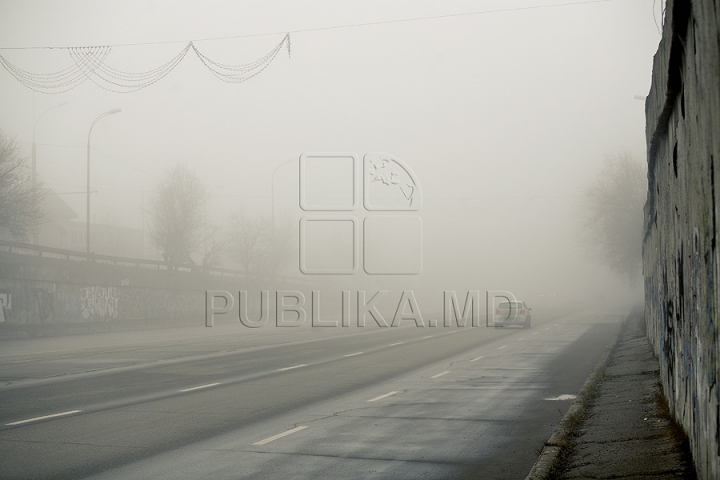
{"x":680,"y":251}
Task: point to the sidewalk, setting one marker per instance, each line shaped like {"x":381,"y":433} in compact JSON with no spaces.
{"x":620,"y":427}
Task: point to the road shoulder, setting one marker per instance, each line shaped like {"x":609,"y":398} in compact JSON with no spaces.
{"x":620,"y":426}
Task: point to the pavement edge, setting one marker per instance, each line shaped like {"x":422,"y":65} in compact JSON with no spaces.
{"x":558,"y":440}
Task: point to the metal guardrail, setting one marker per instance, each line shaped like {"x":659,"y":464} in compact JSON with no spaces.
{"x":50,"y":252}
{"x":74,"y":255}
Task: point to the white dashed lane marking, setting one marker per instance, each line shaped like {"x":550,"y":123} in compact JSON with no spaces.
{"x":441,"y":374}
{"x":198,"y":388}
{"x":280,"y":435}
{"x":382,"y":396}
{"x":290,"y":368}
{"x":44,"y":417}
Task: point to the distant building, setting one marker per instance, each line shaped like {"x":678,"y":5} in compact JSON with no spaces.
{"x":59,"y":230}
{"x":54,"y":231}
{"x":107,"y":240}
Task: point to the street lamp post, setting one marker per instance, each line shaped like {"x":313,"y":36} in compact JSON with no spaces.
{"x":34,"y":147}
{"x":272,"y":197}
{"x":87,"y":232}
{"x":272,"y":212}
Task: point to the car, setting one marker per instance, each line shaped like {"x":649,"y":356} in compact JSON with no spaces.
{"x":512,"y":313}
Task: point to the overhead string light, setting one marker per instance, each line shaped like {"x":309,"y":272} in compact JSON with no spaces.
{"x":241,"y":73}
{"x":104,"y":76}
{"x":60,"y":81}
{"x":89,"y":63}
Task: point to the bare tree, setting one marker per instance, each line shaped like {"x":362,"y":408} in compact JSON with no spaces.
{"x":248,"y":240}
{"x":281,"y":246}
{"x":257,"y":247}
{"x":214,"y":247}
{"x":178,"y":216}
{"x":20,"y":200}
{"x":613,"y":215}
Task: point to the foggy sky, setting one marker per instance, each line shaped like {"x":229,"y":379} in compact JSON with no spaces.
{"x":504,"y":117}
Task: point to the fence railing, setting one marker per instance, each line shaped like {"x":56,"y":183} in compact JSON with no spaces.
{"x":74,"y":255}
{"x":51,"y":252}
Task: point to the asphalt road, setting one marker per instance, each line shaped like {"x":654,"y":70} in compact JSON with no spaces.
{"x":232,"y":402}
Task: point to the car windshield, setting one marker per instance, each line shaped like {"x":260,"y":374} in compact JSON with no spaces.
{"x":512,"y":305}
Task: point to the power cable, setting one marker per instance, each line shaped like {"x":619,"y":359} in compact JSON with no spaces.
{"x":89,"y":62}
{"x":337,"y":27}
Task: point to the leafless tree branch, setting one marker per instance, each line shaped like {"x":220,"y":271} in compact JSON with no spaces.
{"x":20,"y":200}
{"x":613,"y":215}
{"x":178,"y":216}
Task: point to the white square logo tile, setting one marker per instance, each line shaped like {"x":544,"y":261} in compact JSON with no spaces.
{"x":392,"y":245}
{"x":329,"y":245}
{"x":332,"y":243}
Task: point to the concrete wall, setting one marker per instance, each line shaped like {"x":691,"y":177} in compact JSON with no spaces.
{"x":680,"y":254}
{"x":64,"y":296}
{"x":54,"y":296}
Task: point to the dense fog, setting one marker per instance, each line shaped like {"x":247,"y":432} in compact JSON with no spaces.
{"x":503,"y":112}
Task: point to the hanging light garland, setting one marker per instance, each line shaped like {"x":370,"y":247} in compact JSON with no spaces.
{"x":89,"y":63}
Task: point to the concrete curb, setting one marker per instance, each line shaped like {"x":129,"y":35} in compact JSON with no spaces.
{"x":558,"y":439}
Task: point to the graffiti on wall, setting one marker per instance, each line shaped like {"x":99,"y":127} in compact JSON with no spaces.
{"x":143,"y":303}
{"x":51,"y":302}
{"x":5,"y":303}
{"x":102,"y":302}
{"x":45,"y":302}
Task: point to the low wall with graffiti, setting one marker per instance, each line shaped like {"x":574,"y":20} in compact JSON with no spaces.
{"x":44,"y":295}
{"x":99,"y":301}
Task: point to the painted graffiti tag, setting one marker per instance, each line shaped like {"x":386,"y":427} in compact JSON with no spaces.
{"x":99,"y":302}
{"x":143,"y":303}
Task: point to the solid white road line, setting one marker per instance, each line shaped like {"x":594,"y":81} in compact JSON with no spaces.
{"x":353,"y":354}
{"x":500,"y":348}
{"x":393,"y":344}
{"x":290,"y":368}
{"x":381,"y":397}
{"x":477,"y":358}
{"x":280,"y":435}
{"x":198,"y":388}
{"x":454,"y":331}
{"x":44,"y":417}
{"x":441,"y":374}
{"x":429,"y":336}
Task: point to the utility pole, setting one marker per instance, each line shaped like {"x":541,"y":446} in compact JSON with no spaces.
{"x":87,"y":232}
{"x":142,"y":218}
{"x":34,"y":146}
{"x":34,"y":153}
